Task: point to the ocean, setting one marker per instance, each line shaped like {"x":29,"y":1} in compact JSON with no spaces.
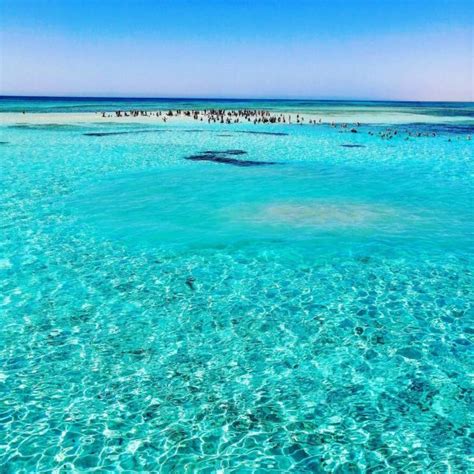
{"x":298,"y":298}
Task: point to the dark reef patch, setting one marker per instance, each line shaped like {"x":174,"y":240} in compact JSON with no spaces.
{"x":275,"y":134}
{"x":103,"y":134}
{"x":225,"y":158}
{"x":128,"y":132}
{"x":131,"y":132}
{"x":226,"y":152}
{"x":43,"y":126}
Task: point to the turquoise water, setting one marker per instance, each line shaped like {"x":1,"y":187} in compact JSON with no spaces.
{"x":362,"y":109}
{"x":314,"y":315}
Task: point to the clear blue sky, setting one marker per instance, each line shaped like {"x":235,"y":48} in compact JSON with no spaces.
{"x":375,"y":49}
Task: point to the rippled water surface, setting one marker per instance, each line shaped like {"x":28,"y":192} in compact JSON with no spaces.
{"x":310,"y":315}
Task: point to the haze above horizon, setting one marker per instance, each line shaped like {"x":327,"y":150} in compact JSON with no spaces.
{"x":415,"y":50}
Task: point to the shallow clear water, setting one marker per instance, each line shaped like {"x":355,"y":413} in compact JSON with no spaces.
{"x":310,"y":316}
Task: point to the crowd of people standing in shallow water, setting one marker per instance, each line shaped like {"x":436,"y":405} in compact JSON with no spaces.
{"x":255,"y":116}
{"x":216,"y":116}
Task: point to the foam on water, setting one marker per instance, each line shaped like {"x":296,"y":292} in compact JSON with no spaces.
{"x":185,"y":316}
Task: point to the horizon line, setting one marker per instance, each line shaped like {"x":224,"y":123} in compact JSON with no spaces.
{"x":234,"y":99}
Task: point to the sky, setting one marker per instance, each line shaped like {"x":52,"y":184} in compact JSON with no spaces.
{"x":322,"y":49}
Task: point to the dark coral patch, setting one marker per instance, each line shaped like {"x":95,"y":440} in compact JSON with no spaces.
{"x":128,"y":132}
{"x":275,"y":134}
{"x":225,"y":152}
{"x":225,"y":158}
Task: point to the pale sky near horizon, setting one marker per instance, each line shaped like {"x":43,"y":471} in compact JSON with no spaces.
{"x":360,"y":49}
